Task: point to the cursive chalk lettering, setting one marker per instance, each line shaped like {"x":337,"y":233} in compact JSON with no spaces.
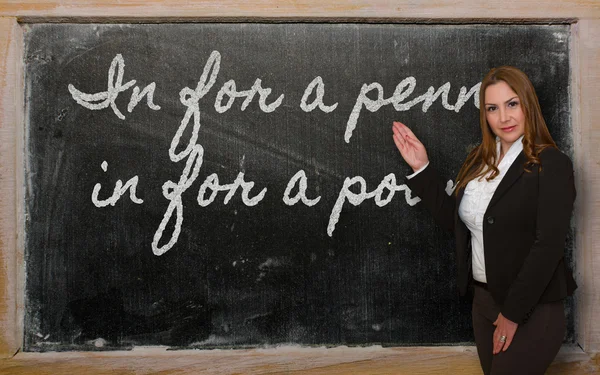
{"x":388,"y":183}
{"x":137,"y":96}
{"x":402,"y":92}
{"x":212,"y":183}
{"x":354,"y":189}
{"x":107,"y":98}
{"x":301,"y":194}
{"x":173,"y":193}
{"x":318,"y":102}
{"x":229,"y":89}
{"x":119,"y":190}
{"x":195,"y":153}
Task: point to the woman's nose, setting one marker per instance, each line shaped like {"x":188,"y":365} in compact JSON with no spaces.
{"x":503,"y":115}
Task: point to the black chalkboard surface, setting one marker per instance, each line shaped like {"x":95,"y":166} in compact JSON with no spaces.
{"x":236,"y":185}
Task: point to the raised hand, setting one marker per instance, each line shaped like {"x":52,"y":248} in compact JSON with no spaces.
{"x":411,"y":149}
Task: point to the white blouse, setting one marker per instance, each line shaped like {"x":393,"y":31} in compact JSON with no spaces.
{"x":477,"y":197}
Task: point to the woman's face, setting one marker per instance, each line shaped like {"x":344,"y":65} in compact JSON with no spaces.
{"x":504,"y":113}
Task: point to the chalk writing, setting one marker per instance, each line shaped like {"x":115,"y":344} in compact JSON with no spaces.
{"x":212,"y":183}
{"x":353,"y":191}
{"x":137,"y":96}
{"x":403,"y":91}
{"x":107,"y":98}
{"x":194,"y":152}
{"x":318,"y":102}
{"x":119,"y":190}
{"x":388,"y":183}
{"x":301,"y":194}
{"x":230,"y":90}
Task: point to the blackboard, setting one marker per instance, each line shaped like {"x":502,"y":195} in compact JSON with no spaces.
{"x":241,"y":151}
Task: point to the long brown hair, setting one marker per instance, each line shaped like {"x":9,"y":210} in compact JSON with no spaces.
{"x":482,"y":159}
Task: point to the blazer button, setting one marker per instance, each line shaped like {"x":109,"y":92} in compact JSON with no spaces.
{"x":490,"y":220}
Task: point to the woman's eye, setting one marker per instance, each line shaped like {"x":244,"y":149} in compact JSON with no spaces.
{"x":513,"y":104}
{"x":491,"y":109}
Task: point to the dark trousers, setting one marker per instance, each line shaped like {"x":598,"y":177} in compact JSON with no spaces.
{"x":534,"y":346}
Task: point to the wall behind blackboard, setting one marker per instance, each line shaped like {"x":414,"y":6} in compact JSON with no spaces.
{"x":242,"y":275}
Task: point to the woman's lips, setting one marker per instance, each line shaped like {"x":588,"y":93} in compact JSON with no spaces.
{"x":509,"y":129}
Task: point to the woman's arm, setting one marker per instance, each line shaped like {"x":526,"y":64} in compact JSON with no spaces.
{"x":556,"y":195}
{"x":427,"y":184}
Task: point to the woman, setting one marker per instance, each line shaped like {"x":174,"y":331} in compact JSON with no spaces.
{"x":510,"y":213}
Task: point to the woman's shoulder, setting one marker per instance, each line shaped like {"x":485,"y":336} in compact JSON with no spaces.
{"x":553,"y":157}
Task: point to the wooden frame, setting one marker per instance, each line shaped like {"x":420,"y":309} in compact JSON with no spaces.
{"x":585,"y":58}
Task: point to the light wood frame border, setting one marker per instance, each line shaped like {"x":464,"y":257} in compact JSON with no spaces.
{"x":585,"y":76}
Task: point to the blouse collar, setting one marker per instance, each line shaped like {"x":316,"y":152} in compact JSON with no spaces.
{"x":514,"y":150}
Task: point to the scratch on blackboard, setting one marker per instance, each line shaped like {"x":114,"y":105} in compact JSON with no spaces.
{"x":86,"y":51}
{"x":278,"y":151}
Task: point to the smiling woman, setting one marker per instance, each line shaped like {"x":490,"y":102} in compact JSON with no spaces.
{"x":504,"y":116}
{"x":514,"y":199}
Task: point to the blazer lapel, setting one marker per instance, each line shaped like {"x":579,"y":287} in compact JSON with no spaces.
{"x":514,"y":172}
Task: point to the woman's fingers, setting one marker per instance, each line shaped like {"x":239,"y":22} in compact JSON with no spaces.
{"x":509,"y":338}
{"x":397,"y":124}
{"x":498,"y":344}
{"x":404,"y":147}
{"x":406,"y":133}
{"x":409,"y":146}
{"x":409,"y":132}
{"x":400,"y":128}
{"x":504,"y":333}
{"x":400,"y":145}
{"x":397,"y":133}
{"x":402,"y":136}
{"x":501,"y":344}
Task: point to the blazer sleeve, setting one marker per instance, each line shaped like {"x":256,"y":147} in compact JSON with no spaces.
{"x":556,"y":195}
{"x":428,"y":186}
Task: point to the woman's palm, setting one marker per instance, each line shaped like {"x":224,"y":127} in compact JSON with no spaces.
{"x":411,"y":149}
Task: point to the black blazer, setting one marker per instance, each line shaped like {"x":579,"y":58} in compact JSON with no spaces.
{"x":524,"y":231}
